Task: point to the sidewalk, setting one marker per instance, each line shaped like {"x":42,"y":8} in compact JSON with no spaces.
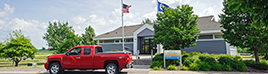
{"x":201,"y":72}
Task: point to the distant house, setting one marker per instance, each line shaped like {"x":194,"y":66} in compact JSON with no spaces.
{"x":139,"y":38}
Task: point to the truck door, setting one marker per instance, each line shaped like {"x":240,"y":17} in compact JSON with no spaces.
{"x":87,"y":58}
{"x":73,"y":59}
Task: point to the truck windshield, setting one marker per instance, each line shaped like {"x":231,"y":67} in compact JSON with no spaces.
{"x":98,"y":49}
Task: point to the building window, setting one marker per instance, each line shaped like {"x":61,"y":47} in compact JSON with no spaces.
{"x":117,"y":41}
{"x":101,"y":41}
{"x":128,"y":40}
{"x":109,"y":41}
{"x":218,"y":37}
{"x":205,"y":37}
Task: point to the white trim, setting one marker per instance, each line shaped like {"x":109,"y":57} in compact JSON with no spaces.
{"x":209,"y":31}
{"x":209,"y":39}
{"x":135,"y":34}
{"x":112,"y":38}
{"x":118,"y":43}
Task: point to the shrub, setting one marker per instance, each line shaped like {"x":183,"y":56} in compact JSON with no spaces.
{"x":250,"y":63}
{"x":225,"y":61}
{"x":114,"y":50}
{"x":184,"y":68}
{"x":238,"y":58}
{"x":156,"y":64}
{"x":226,"y":68}
{"x":156,"y":68}
{"x":261,"y":66}
{"x":202,"y":57}
{"x":184,"y":57}
{"x":194,"y":66}
{"x":217,"y":67}
{"x":195,"y":53}
{"x":210,"y":60}
{"x":240,"y":66}
{"x":184,"y":53}
{"x":172,"y":67}
{"x":158,"y":57}
{"x":264,"y":62}
{"x":265,"y":57}
{"x":204,"y":66}
{"x":172,"y":62}
{"x":193,"y":59}
{"x":187,"y":63}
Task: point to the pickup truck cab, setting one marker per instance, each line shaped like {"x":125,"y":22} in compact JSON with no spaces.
{"x":89,"y":57}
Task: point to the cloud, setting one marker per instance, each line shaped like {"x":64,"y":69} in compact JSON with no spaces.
{"x":5,"y":13}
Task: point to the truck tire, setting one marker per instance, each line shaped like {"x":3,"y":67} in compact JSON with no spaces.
{"x":55,"y":68}
{"x":111,"y":68}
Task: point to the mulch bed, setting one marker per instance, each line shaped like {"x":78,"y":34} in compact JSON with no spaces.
{"x":252,"y":69}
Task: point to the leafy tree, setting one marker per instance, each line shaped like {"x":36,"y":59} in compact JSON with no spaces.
{"x":17,"y":47}
{"x":61,"y":37}
{"x":147,"y":20}
{"x":241,"y":30}
{"x":87,"y":38}
{"x":257,"y":9}
{"x":176,"y":28}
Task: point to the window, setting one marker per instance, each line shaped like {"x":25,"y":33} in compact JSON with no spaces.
{"x":98,"y":49}
{"x":129,"y":40}
{"x":117,"y":41}
{"x":87,"y":50}
{"x":75,"y":51}
{"x":109,"y":41}
{"x":218,"y":36}
{"x":205,"y":37}
{"x":101,"y":41}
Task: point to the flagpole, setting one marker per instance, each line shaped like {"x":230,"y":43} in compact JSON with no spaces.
{"x":122,"y":28}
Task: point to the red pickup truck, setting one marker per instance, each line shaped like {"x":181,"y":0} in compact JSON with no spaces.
{"x":89,"y":57}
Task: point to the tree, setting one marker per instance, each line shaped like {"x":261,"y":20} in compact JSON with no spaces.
{"x":147,"y":20}
{"x":87,"y":38}
{"x":18,"y":47}
{"x":61,"y":37}
{"x":257,"y":8}
{"x":176,"y":28}
{"x":240,"y":29}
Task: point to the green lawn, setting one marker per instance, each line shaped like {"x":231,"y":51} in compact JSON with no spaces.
{"x":40,"y":59}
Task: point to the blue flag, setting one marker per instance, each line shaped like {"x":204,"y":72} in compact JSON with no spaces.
{"x":160,"y":5}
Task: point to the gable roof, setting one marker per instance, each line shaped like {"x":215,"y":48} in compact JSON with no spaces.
{"x":204,"y":23}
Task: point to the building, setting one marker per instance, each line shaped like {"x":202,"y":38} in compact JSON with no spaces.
{"x":139,"y":38}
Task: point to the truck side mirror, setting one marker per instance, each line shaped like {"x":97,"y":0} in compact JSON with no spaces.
{"x":66,"y":53}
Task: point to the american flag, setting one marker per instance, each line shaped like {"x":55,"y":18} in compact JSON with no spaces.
{"x":126,"y":8}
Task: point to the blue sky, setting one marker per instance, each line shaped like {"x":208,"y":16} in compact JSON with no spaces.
{"x":32,"y":16}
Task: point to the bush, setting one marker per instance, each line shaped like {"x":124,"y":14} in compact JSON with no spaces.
{"x":204,"y":66}
{"x":226,"y":68}
{"x":238,"y":65}
{"x":156,"y":68}
{"x":172,"y":67}
{"x":210,"y":60}
{"x":184,"y":53}
{"x":194,"y":66}
{"x":265,"y":57}
{"x":184,"y":68}
{"x":264,"y":62}
{"x":184,"y":57}
{"x":238,"y":58}
{"x":193,"y":59}
{"x":252,"y":63}
{"x":187,"y":63}
{"x":156,"y":64}
{"x":226,"y":61}
{"x":172,"y":62}
{"x":158,"y":57}
{"x":114,"y":50}
{"x":202,"y":57}
{"x":217,"y":67}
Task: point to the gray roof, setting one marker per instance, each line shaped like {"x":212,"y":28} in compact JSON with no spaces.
{"x":203,"y":23}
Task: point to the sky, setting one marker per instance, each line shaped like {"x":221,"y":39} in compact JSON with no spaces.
{"x":32,"y":16}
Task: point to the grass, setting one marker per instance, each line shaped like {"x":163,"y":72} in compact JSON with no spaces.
{"x":40,"y":59}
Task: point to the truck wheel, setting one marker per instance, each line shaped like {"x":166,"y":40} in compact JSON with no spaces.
{"x":111,"y":68}
{"x":55,"y":68}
